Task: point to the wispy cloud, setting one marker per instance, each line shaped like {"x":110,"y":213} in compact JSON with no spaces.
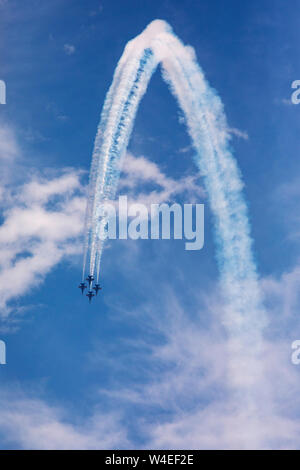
{"x":9,"y":148}
{"x":286,"y":101}
{"x":69,"y":49}
{"x":186,"y":149}
{"x":185,"y":400}
{"x":30,"y":423}
{"x":140,"y":171}
{"x":190,"y":384}
{"x":41,"y":223}
{"x":238,"y":133}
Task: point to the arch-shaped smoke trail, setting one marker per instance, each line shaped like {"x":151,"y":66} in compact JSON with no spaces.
{"x":207,"y":127}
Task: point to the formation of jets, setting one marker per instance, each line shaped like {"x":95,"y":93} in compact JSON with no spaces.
{"x":90,"y":286}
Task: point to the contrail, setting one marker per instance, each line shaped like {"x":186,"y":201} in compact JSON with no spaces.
{"x":206,"y":124}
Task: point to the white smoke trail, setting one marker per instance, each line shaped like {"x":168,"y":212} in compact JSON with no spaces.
{"x":111,"y":143}
{"x":206,"y":124}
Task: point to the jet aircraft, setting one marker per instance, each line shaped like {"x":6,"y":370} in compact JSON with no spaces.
{"x":90,"y":279}
{"x":82,"y":286}
{"x":97,"y":288}
{"x":90,"y":295}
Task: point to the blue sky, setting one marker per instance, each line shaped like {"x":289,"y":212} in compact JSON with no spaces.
{"x":146,"y":364}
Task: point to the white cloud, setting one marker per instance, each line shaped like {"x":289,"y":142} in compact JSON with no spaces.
{"x":190,"y":390}
{"x":32,"y":424}
{"x":238,"y":133}
{"x":287,"y":101}
{"x":8,"y":145}
{"x":62,"y":117}
{"x":224,"y":420}
{"x":186,"y":149}
{"x":69,"y":49}
{"x":43,"y":219}
{"x":186,"y":387}
{"x":226,"y":426}
{"x":283,"y":293}
{"x":140,"y":170}
{"x":40,"y":189}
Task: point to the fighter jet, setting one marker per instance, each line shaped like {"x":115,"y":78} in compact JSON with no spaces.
{"x":82,"y":286}
{"x":90,"y":295}
{"x":97,"y":288}
{"x":90,"y":279}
